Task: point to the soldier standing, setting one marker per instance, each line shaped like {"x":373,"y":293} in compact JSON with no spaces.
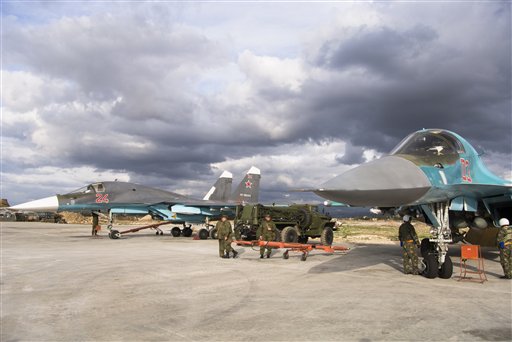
{"x":224,"y":234}
{"x":504,"y":240}
{"x":266,"y":232}
{"x":95,"y":225}
{"x":409,"y":242}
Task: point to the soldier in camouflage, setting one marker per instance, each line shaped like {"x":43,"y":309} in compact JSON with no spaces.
{"x":224,"y":234}
{"x":266,"y":232}
{"x":409,"y":242}
{"x":504,"y":240}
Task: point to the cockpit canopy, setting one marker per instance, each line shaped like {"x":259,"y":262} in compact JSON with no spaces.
{"x":430,"y":147}
{"x":94,"y":188}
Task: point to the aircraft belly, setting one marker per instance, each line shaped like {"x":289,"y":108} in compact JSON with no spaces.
{"x":380,"y":198}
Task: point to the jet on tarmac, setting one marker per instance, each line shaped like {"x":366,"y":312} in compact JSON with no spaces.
{"x":108,"y":198}
{"x":436,"y":175}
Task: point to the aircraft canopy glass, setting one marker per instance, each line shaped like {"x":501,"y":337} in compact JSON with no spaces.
{"x":97,"y":187}
{"x":430,"y":145}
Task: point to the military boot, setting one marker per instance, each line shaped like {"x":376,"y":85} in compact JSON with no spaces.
{"x":235,"y":254}
{"x":225,"y":256}
{"x":261,"y":256}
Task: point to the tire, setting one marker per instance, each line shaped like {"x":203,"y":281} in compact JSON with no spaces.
{"x":305,"y":219}
{"x":286,"y":255}
{"x":203,"y":234}
{"x":327,"y":236}
{"x":446,"y":270}
{"x":426,"y":247}
{"x":213,"y":234}
{"x":303,"y":257}
{"x":303,"y":239}
{"x":431,"y":266}
{"x":289,"y":234}
{"x":114,"y":234}
{"x":187,"y":232}
{"x":176,"y":231}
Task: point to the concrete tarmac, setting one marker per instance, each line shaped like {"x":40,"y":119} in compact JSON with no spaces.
{"x":60,"y":284}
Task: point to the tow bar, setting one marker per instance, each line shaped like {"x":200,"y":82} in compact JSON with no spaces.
{"x":292,"y":247}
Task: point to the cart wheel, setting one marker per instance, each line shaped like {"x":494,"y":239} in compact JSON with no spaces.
{"x":114,"y":234}
{"x":286,"y":255}
{"x":304,"y":257}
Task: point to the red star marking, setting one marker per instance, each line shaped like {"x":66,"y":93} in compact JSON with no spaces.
{"x":248,"y":184}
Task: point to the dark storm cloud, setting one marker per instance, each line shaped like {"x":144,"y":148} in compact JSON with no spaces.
{"x":387,"y":83}
{"x":382,"y":50}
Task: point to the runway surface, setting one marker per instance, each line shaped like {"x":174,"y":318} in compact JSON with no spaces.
{"x":59,"y":284}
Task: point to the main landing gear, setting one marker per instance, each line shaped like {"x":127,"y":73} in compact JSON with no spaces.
{"x":435,"y":250}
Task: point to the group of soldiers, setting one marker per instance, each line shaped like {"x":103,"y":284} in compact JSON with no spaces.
{"x":265,"y":232}
{"x":409,"y":242}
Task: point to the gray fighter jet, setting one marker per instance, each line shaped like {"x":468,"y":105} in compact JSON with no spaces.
{"x":109,"y":198}
{"x":435,"y":175}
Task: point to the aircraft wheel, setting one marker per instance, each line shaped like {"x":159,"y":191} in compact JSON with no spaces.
{"x":327,"y":236}
{"x":303,"y":239}
{"x":176,"y":231}
{"x":289,"y":234}
{"x":213,"y":234}
{"x":431,"y":266}
{"x":187,"y":232}
{"x":204,"y":233}
{"x":446,"y":270}
{"x":426,"y":246}
{"x":114,"y":234}
{"x":286,"y":255}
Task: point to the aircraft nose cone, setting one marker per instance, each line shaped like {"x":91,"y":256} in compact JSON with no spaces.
{"x":387,"y":182}
{"x":44,"y":204}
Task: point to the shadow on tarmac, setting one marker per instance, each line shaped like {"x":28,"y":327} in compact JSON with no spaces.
{"x":367,"y":255}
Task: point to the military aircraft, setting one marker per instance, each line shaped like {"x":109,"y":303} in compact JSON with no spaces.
{"x":435,"y":175}
{"x":109,"y":198}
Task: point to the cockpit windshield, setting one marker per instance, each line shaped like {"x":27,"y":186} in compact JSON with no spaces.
{"x":82,"y":190}
{"x":430,"y":146}
{"x":95,"y":188}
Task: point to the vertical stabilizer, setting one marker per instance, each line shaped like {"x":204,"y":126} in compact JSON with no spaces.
{"x":221,"y":190}
{"x":248,"y":191}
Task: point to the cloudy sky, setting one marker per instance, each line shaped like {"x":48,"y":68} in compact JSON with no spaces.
{"x":170,"y":94}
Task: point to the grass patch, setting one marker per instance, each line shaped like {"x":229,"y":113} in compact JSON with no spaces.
{"x":378,"y":229}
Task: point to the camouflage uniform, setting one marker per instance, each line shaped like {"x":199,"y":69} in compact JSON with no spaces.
{"x":409,"y":239}
{"x":505,"y":236}
{"x":224,"y":235}
{"x":267,"y":232}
